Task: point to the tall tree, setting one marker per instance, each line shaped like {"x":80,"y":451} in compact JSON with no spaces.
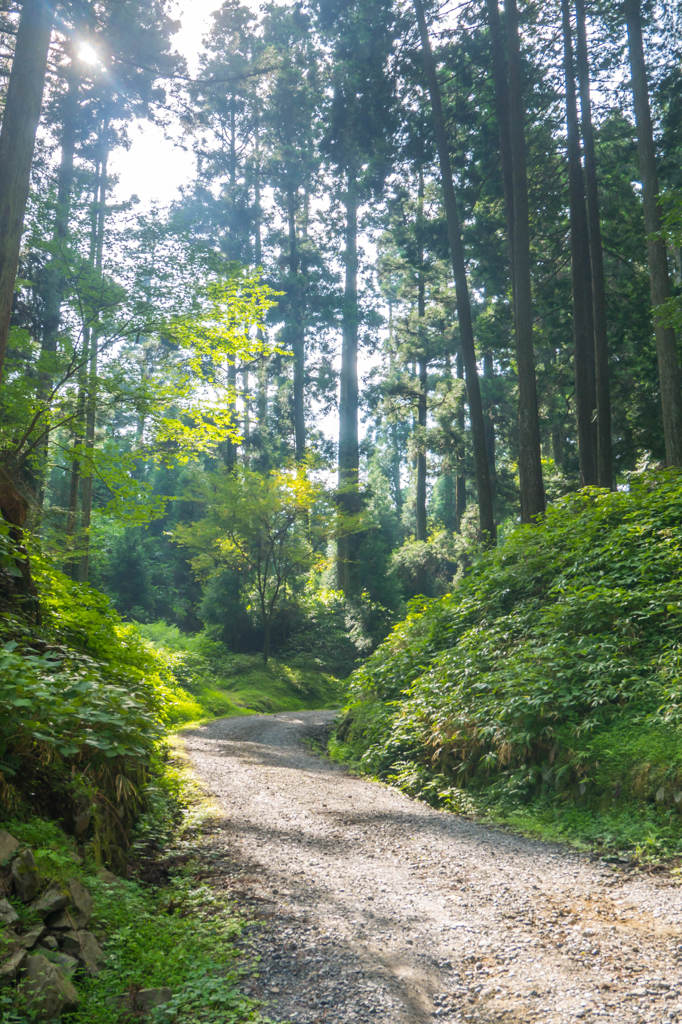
{"x":666,"y":342}
{"x":17,"y":141}
{"x":583,"y":333}
{"x":358,"y":142}
{"x":510,"y":116}
{"x":601,"y":351}
{"x":291,"y":122}
{"x":483,"y":481}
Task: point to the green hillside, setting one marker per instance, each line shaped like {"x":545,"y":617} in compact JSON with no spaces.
{"x":546,"y":689}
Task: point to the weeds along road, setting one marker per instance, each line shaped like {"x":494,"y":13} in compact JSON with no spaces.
{"x":375,"y":907}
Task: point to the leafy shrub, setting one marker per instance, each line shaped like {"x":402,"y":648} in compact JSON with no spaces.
{"x":553,"y":668}
{"x":85,"y":699}
{"x":430,"y":567}
{"x":335,"y":632}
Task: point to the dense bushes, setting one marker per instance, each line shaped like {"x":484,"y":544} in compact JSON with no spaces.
{"x":84,"y":698}
{"x":554,"y":668}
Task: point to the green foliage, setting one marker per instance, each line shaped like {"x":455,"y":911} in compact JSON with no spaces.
{"x":85,"y":699}
{"x":429,"y":567}
{"x":225,"y":324}
{"x":183,"y":938}
{"x":216,"y":682}
{"x":551,"y":672}
{"x":260,"y":527}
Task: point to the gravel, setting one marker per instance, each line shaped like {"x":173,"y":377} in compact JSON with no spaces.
{"x":372,"y":907}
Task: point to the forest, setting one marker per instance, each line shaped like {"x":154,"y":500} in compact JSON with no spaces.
{"x":383,"y":409}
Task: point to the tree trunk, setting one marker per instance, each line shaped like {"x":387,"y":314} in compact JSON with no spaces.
{"x":54,"y":274}
{"x":421,"y":531}
{"x":246,"y":402}
{"x":532,"y":491}
{"x":230,"y":456}
{"x":510,"y":118}
{"x":99,"y":214}
{"x":296,"y":329}
{"x":17,"y":141}
{"x":396,"y":460}
{"x":266,"y":639}
{"x":349,"y":458}
{"x":601,"y":350}
{"x":485,"y":497}
{"x":262,"y":360}
{"x":422,"y":363}
{"x":583,"y":335}
{"x":666,"y":344}
{"x":460,"y":479}
{"x":71,"y":561}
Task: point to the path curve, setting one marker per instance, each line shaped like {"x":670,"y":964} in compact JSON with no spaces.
{"x":377,"y":908}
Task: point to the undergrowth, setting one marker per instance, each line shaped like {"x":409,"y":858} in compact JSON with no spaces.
{"x":546,"y":689}
{"x":215,"y":681}
{"x":179,"y":935}
{"x":87,"y":699}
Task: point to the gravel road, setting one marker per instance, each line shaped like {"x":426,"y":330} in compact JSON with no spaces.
{"x":377,"y":908}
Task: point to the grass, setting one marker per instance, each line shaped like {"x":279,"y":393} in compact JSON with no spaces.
{"x":213,"y":682}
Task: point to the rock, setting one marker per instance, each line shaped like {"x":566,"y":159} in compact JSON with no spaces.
{"x":81,"y":823}
{"x":63,"y":921}
{"x":8,"y":847}
{"x":70,"y":942}
{"x":147,"y":998}
{"x":32,"y":938}
{"x":48,"y":992}
{"x":49,"y":942}
{"x":67,"y":963}
{"x":82,"y":902}
{"x":11,"y":967}
{"x":54,"y":899}
{"x":25,"y":876}
{"x":107,"y":876}
{"x":85,"y":947}
{"x":8,"y":914}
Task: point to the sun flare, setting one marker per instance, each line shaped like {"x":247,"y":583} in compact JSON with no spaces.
{"x":87,"y":53}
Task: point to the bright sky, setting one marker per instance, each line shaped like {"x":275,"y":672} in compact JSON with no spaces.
{"x":154,"y":167}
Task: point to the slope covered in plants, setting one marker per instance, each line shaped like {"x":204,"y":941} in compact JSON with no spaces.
{"x":547,"y":687}
{"x":87,"y":699}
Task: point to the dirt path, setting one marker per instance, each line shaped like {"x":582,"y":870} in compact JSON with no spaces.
{"x":378,"y":908}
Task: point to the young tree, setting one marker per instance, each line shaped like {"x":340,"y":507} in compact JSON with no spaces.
{"x":256,"y":524}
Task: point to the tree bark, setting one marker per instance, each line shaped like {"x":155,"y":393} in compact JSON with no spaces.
{"x":532,"y":491}
{"x":99,"y":218}
{"x":17,"y":141}
{"x":601,"y":350}
{"x":54,"y":274}
{"x":460,"y":479}
{"x":583,"y":335}
{"x":297,"y":330}
{"x":659,"y":280}
{"x":485,"y":497}
{"x":510,"y":118}
{"x":348,"y":456}
{"x":422,"y":364}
